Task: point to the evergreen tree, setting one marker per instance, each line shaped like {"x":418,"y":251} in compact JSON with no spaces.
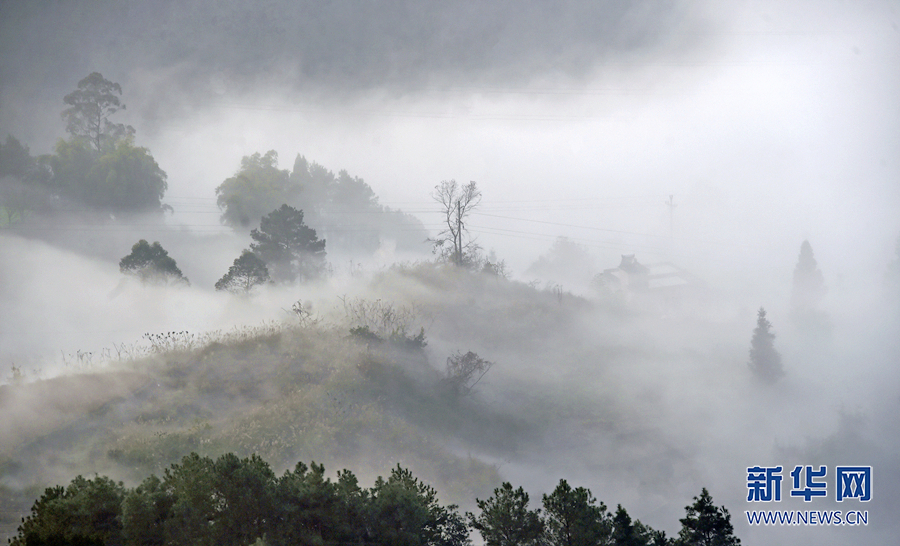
{"x":765,"y":362}
{"x":86,"y":513}
{"x":289,"y":247}
{"x":151,"y":264}
{"x":505,"y":519}
{"x":624,"y":532}
{"x":247,"y":272}
{"x":573,"y":517}
{"x":809,"y":284}
{"x":706,"y":524}
{"x":404,"y":511}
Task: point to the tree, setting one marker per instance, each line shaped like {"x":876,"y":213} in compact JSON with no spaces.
{"x":86,"y":513}
{"x":624,"y":532}
{"x":311,"y":510}
{"x":457,"y":202}
{"x":258,"y":186}
{"x":247,"y":272}
{"x":809,"y":285}
{"x":123,"y":178}
{"x":405,"y":512}
{"x":765,"y":362}
{"x":244,"y":493}
{"x":144,"y":513}
{"x":289,"y":247}
{"x":354,"y":214}
{"x":126,"y":178}
{"x":505,"y":519}
{"x":706,"y":524}
{"x":151,"y":264}
{"x":100,"y":166}
{"x":464,"y":371}
{"x":190,"y":485}
{"x":573,"y":518}
{"x":89,"y":109}
{"x":18,"y":193}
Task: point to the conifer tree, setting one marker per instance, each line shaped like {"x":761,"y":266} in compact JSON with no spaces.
{"x":290,"y":248}
{"x":809,"y":285}
{"x":765,"y":362}
{"x":247,"y":272}
{"x":151,"y":264}
{"x":706,"y":524}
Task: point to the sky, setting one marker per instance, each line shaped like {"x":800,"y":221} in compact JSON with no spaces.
{"x":765,"y":122}
{"x":717,"y":135}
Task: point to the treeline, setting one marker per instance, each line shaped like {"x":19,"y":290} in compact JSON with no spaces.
{"x":237,"y":502}
{"x":99,"y":170}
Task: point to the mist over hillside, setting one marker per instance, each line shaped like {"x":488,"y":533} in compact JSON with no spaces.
{"x":650,"y":177}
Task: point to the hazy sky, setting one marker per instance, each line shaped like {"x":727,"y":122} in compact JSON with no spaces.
{"x":768,"y":122}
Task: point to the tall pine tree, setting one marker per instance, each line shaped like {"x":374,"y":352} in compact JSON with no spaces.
{"x":765,"y":362}
{"x":809,"y":284}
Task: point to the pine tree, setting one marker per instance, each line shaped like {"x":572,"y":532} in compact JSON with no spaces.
{"x":505,"y":519}
{"x":765,"y":362}
{"x":574,"y":517}
{"x":289,"y":247}
{"x":151,"y":264}
{"x":247,"y":272}
{"x":809,"y":284}
{"x":706,"y":524}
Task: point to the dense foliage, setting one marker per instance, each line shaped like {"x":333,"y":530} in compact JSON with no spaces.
{"x":19,"y":191}
{"x":230,"y":501}
{"x":151,"y":264}
{"x":290,"y":249}
{"x":99,"y":168}
{"x":121,"y":177}
{"x":247,"y":272}
{"x":343,"y":207}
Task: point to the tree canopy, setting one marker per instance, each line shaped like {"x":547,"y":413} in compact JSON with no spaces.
{"x":706,"y":524}
{"x":573,"y":517}
{"x":151,"y":264}
{"x":233,"y":501}
{"x":257,"y":188}
{"x":230,"y":501}
{"x":89,"y":109}
{"x":247,"y":272}
{"x":344,"y":208}
{"x":100,"y":167}
{"x":290,"y":248}
{"x":505,"y":519}
{"x":19,"y":185}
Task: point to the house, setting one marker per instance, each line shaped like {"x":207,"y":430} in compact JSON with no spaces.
{"x":663,"y":282}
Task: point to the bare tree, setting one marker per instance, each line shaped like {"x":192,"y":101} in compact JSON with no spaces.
{"x":454,"y":243}
{"x":464,"y":371}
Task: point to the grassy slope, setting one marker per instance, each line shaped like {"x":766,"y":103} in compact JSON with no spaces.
{"x":313,"y":392}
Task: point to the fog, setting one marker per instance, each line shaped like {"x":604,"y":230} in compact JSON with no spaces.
{"x":714,"y":136}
